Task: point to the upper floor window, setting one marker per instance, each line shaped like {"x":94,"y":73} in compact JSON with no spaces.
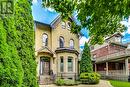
{"x":70,"y":64}
{"x":71,"y":43}
{"x":68,"y":25}
{"x":44,"y":39}
{"x":63,"y":25}
{"x":61,"y":42}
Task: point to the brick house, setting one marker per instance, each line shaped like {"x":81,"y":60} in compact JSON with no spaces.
{"x":56,"y":48}
{"x":112,"y":58}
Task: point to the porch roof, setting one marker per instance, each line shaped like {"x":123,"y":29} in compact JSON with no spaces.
{"x":114,"y":56}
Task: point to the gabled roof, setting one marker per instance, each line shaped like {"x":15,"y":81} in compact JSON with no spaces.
{"x":44,"y":16}
{"x":116,"y":34}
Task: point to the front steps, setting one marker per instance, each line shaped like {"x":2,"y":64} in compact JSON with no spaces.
{"x":45,"y":80}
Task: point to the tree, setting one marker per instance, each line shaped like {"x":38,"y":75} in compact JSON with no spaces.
{"x":11,"y":72}
{"x":102,"y":18}
{"x":86,"y":62}
{"x":10,"y":68}
{"x":25,"y":42}
{"x":11,"y":36}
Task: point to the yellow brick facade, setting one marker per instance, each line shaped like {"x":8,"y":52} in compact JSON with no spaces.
{"x":53,"y":45}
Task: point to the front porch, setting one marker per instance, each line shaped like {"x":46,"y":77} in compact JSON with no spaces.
{"x":114,"y":66}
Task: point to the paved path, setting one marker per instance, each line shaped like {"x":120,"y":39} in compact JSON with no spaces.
{"x":103,"y":83}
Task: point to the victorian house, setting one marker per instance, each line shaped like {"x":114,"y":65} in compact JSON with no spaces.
{"x":56,"y":49}
{"x":112,"y":58}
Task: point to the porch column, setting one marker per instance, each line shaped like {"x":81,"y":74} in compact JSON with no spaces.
{"x":95,"y":67}
{"x":106,"y":68}
{"x":127,"y":66}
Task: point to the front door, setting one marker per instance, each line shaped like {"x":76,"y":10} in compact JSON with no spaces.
{"x":44,"y":66}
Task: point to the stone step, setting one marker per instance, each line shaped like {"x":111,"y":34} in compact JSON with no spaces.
{"x":44,"y":80}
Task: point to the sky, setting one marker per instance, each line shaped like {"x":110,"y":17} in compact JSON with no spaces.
{"x":85,"y":38}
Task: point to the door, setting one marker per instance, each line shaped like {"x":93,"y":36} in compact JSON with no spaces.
{"x":44,"y":66}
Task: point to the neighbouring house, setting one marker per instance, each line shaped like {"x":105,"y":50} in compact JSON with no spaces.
{"x":56,"y":49}
{"x":112,"y":58}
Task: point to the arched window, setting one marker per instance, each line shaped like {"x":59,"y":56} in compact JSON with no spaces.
{"x":71,"y":43}
{"x":63,"y":25}
{"x":69,"y":25}
{"x":44,"y":39}
{"x":61,"y":42}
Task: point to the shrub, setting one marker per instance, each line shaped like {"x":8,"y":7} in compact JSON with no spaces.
{"x":11,"y":72}
{"x":90,"y":78}
{"x":25,"y":43}
{"x":66,"y":82}
{"x":70,"y":82}
{"x":60,"y":82}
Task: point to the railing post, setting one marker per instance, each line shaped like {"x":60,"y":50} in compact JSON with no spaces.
{"x":127,"y":66}
{"x":107,"y":68}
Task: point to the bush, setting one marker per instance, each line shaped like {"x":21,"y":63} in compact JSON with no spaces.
{"x":67,"y":82}
{"x":70,"y":82}
{"x":89,"y":78}
{"x":60,"y":82}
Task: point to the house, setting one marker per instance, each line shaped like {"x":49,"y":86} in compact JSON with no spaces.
{"x":112,"y":58}
{"x":56,"y":49}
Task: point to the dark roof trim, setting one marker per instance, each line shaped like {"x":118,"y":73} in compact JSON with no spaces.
{"x":116,"y":34}
{"x":42,"y":23}
{"x":119,"y":44}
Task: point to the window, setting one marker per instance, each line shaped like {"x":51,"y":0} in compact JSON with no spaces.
{"x":68,"y":25}
{"x":63,"y":25}
{"x":61,"y":64}
{"x":44,"y":39}
{"x":70,"y":64}
{"x":61,"y":42}
{"x":118,"y":39}
{"x":71,"y":43}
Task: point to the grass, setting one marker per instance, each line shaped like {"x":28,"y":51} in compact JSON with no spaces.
{"x":116,"y":83}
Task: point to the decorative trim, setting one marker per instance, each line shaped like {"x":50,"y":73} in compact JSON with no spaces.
{"x":67,"y":49}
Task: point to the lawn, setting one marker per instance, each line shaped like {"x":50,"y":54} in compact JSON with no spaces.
{"x":115,"y":83}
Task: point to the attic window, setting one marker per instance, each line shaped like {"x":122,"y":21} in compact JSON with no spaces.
{"x":63,"y":25}
{"x":118,"y":39}
{"x":68,"y":25}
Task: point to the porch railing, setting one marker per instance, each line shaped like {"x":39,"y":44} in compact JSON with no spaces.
{"x":113,"y":72}
{"x":102,"y":72}
{"x":116,"y":72}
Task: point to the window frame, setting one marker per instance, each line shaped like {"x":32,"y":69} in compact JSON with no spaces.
{"x":61,"y":42}
{"x":62,"y":66}
{"x":70,"y":70}
{"x":70,"y":43}
{"x":68,"y":25}
{"x":45,"y":43}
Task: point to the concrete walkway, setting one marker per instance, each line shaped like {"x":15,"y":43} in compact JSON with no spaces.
{"x":103,"y":83}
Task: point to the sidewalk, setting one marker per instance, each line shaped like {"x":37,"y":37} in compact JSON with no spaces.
{"x":103,"y":83}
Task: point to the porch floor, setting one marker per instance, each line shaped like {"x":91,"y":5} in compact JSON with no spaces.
{"x":102,"y":83}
